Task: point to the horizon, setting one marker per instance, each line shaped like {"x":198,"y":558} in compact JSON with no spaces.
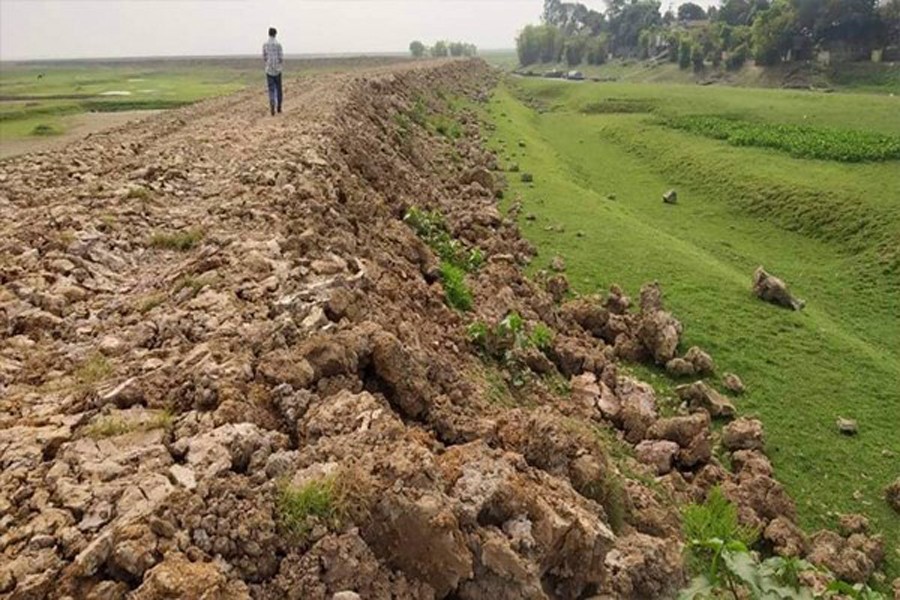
{"x":88,"y":29}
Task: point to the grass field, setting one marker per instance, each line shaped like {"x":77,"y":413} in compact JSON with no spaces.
{"x":602,"y":156}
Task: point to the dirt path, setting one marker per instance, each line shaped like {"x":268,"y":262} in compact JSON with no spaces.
{"x":77,"y":127}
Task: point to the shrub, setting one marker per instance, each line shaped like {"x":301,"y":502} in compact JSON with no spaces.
{"x":737,"y":57}
{"x":455,"y":289}
{"x":697,"y":58}
{"x":42,"y":129}
{"x":431,"y":228}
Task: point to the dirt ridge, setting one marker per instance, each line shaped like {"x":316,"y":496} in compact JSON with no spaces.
{"x":214,"y":306}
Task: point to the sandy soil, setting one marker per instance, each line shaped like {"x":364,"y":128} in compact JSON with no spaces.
{"x":77,"y":127}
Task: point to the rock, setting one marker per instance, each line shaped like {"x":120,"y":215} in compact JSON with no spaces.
{"x":679,"y":367}
{"x":733,"y":383}
{"x":641,"y":566}
{"x":681,"y":430}
{"x":558,"y":264}
{"x":701,"y":361}
{"x":89,"y":560}
{"x":558,"y":287}
{"x":279,"y":366}
{"x":772,"y":289}
{"x":853,"y":523}
{"x":346,"y":595}
{"x":853,"y":559}
{"x":670,"y":197}
{"x":699,"y":396}
{"x":892,"y":495}
{"x":847,"y":426}
{"x":183,"y":476}
{"x":743,"y":434}
{"x":124,"y":395}
{"x":659,"y":454}
{"x":481,"y":176}
{"x":177,"y":577}
{"x":786,"y":538}
{"x":638,"y":408}
{"x":110,"y":345}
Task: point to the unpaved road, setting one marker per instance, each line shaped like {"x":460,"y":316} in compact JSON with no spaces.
{"x":77,"y":127}
{"x":213,"y":306}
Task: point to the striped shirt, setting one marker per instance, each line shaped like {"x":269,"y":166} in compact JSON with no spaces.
{"x":273,"y":56}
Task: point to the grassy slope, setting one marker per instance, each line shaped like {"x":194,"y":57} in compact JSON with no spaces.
{"x":840,"y":357}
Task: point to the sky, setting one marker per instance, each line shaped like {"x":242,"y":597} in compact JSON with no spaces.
{"x":37,"y":29}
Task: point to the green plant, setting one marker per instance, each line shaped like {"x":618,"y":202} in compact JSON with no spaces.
{"x":139,"y":193}
{"x":541,"y":337}
{"x":180,"y":240}
{"x":42,"y":129}
{"x":457,"y":293}
{"x":93,"y":370}
{"x":432,"y":229}
{"x":299,"y":508}
{"x":717,"y":518}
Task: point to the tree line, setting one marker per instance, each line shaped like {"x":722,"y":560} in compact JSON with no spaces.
{"x":769,"y":31}
{"x":442,"y":49}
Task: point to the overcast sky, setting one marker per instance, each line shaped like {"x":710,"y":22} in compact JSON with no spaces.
{"x":118,"y":28}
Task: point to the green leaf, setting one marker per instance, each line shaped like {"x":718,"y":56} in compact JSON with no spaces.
{"x":700,"y":588}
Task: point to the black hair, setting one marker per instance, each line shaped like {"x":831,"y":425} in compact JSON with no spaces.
{"x":273,"y":32}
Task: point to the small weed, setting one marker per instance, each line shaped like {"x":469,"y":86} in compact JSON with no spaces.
{"x":150,"y":302}
{"x":419,"y":112}
{"x":111,"y":426}
{"x":458,"y":294}
{"x":447,"y":127}
{"x":44,"y":130}
{"x":195,"y":284}
{"x":181,"y":240}
{"x":299,"y":507}
{"x":93,"y":370}
{"x":541,"y":337}
{"x":138,"y":193}
{"x":333,"y":501}
{"x":430,"y":226}
{"x":717,"y":518}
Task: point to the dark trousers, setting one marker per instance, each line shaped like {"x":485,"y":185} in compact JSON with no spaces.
{"x":273,"y":82}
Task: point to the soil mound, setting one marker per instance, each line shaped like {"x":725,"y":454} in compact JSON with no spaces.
{"x":229,"y":370}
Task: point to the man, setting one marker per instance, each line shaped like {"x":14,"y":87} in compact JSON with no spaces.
{"x":274,"y":58}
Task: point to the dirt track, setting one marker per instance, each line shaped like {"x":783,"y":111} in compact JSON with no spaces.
{"x":154,"y":401}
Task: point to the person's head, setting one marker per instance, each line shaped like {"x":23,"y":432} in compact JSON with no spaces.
{"x":272,"y":32}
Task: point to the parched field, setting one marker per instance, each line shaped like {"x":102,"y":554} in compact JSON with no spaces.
{"x":803,"y":183}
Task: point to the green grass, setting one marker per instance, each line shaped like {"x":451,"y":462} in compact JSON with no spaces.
{"x":299,"y":508}
{"x":456,"y":291}
{"x":830,"y":229}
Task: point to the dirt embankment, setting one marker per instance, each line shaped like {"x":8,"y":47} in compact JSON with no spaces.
{"x":164,"y":398}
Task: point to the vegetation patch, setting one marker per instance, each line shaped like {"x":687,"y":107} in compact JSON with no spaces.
{"x":93,"y":370}
{"x":42,"y":129}
{"x":180,"y":240}
{"x":800,"y":141}
{"x":618,"y":105}
{"x":331,"y":501}
{"x":111,"y":426}
{"x":458,"y":294}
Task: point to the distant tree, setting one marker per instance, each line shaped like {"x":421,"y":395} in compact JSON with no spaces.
{"x":697,"y":57}
{"x":539,"y":43}
{"x":691,"y":12}
{"x":772,"y":32}
{"x":456,"y":48}
{"x":684,"y":53}
{"x":575,"y":50}
{"x":470,"y":50}
{"x":737,"y":57}
{"x":417,"y":49}
{"x":596,"y":51}
{"x":440,"y":49}
{"x":740,"y":12}
{"x":627,"y":20}
{"x":889,"y":13}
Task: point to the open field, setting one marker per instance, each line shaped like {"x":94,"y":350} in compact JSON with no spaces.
{"x":602,"y":156}
{"x":43,"y":99}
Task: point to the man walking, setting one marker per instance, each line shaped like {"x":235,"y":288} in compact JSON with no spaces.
{"x":274,"y":58}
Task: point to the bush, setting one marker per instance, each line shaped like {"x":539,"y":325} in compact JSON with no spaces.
{"x":737,"y":57}
{"x":697,"y":58}
{"x":44,"y":130}
{"x":431,"y":228}
{"x":456,"y":291}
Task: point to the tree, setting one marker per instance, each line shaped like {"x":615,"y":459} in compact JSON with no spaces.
{"x":684,"y":53}
{"x":772,"y":32}
{"x":691,"y":12}
{"x":456,"y":48}
{"x":741,"y":12}
{"x":440,"y":50}
{"x":889,"y":13}
{"x":575,"y":49}
{"x":539,"y":43}
{"x":596,"y":51}
{"x":417,"y":49}
{"x":626,"y":21}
